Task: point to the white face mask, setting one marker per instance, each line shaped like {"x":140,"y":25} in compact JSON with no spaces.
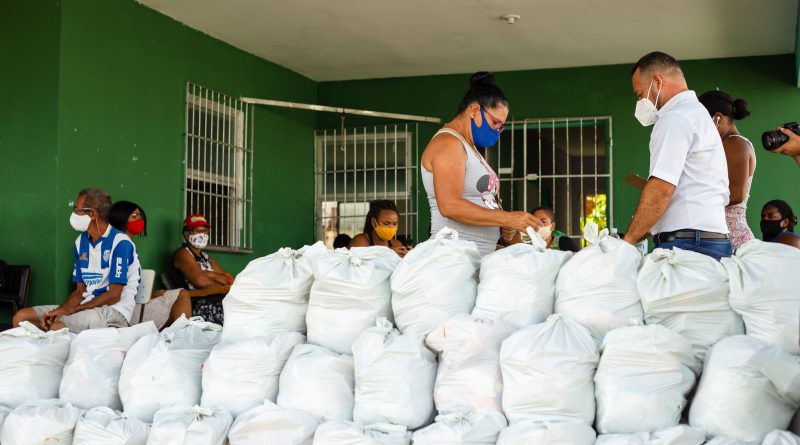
{"x":80,"y":222}
{"x":545,"y":232}
{"x":199,"y":240}
{"x":645,"y":109}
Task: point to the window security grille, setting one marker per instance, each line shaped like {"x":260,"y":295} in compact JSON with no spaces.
{"x":219,"y":166}
{"x":358,"y":165}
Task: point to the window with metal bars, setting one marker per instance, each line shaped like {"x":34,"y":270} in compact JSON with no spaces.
{"x":563,"y":163}
{"x":357,"y":165}
{"x":219,"y":166}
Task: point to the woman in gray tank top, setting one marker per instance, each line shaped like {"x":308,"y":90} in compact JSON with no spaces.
{"x":462,"y":188}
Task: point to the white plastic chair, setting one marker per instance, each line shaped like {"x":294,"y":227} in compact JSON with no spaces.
{"x":146,"y":280}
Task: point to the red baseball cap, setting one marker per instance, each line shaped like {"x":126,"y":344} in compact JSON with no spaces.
{"x":195,"y":221}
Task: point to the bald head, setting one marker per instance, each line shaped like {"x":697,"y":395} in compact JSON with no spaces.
{"x":658,"y":77}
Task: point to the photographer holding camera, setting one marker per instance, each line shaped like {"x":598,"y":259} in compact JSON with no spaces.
{"x":784,"y":140}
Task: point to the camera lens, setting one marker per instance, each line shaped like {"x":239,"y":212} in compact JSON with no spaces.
{"x":773,"y":139}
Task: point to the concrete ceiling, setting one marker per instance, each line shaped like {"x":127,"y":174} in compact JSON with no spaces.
{"x":357,"y":39}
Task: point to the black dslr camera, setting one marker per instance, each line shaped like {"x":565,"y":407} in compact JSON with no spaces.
{"x":774,"y":139}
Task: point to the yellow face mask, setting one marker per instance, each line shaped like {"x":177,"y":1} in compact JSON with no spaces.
{"x":385,"y":233}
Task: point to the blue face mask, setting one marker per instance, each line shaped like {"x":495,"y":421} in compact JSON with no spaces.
{"x":484,"y":136}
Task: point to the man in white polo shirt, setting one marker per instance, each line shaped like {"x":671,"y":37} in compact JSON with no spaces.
{"x":106,"y":273}
{"x":683,"y":203}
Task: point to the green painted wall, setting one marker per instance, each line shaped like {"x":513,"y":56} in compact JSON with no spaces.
{"x":767,"y":83}
{"x":28,"y":123}
{"x":118,"y":94}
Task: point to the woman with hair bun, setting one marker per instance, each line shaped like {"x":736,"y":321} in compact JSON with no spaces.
{"x":741,"y":156}
{"x":462,"y":188}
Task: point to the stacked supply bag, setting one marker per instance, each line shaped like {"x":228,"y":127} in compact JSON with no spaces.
{"x":341,"y":432}
{"x":518,"y":283}
{"x":530,"y":432}
{"x":271,"y":424}
{"x":764,"y":282}
{"x":548,"y":371}
{"x":239,"y":376}
{"x":394,"y":377}
{"x":748,"y":388}
{"x":271,"y":294}
{"x":40,"y":422}
{"x":163,"y":370}
{"x":644,"y":375}
{"x":104,"y":426}
{"x":435,"y":281}
{"x":677,"y":435}
{"x":31,"y":363}
{"x":4,"y":411}
{"x":190,"y":425}
{"x":479,"y":427}
{"x":468,"y":377}
{"x":778,"y":437}
{"x":597,"y":287}
{"x":319,"y":382}
{"x":350,"y":291}
{"x":95,"y":361}
{"x":688,"y":292}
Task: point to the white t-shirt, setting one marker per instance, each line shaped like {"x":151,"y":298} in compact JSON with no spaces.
{"x":110,"y":260}
{"x":687,"y":152}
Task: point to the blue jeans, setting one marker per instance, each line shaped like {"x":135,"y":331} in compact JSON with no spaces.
{"x":715,"y":248}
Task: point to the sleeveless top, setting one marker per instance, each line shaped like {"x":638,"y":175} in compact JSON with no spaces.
{"x":481,"y":186}
{"x":202,"y":260}
{"x":735,"y":215}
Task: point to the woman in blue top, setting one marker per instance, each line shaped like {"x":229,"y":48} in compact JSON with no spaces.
{"x":777,"y":223}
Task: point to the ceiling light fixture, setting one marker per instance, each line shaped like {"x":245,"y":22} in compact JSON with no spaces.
{"x":510,"y":18}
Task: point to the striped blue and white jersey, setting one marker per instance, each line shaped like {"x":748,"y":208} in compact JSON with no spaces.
{"x":110,"y":260}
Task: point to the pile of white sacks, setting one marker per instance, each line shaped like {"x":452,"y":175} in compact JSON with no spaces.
{"x":525,"y":346}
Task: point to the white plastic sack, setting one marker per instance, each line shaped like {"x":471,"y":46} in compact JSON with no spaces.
{"x":104,"y":426}
{"x":341,"y":432}
{"x":190,"y":425}
{"x":270,"y":424}
{"x":748,"y":389}
{"x":350,"y":291}
{"x":468,"y":377}
{"x":394,"y":376}
{"x":764,"y":282}
{"x":644,"y":375}
{"x":688,"y":292}
{"x":319,"y":382}
{"x":95,"y":361}
{"x":548,"y":371}
{"x":436,"y":280}
{"x":165,"y":370}
{"x":31,"y":363}
{"x":239,"y":376}
{"x":597,"y":287}
{"x":778,"y":437}
{"x":476,"y":428}
{"x":271,"y":294}
{"x":677,"y":435}
{"x":518,"y":284}
{"x":4,"y":410}
{"x":547,"y":433}
{"x":720,"y":440}
{"x":40,"y":422}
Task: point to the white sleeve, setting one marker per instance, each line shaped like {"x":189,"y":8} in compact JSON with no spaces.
{"x":670,"y":143}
